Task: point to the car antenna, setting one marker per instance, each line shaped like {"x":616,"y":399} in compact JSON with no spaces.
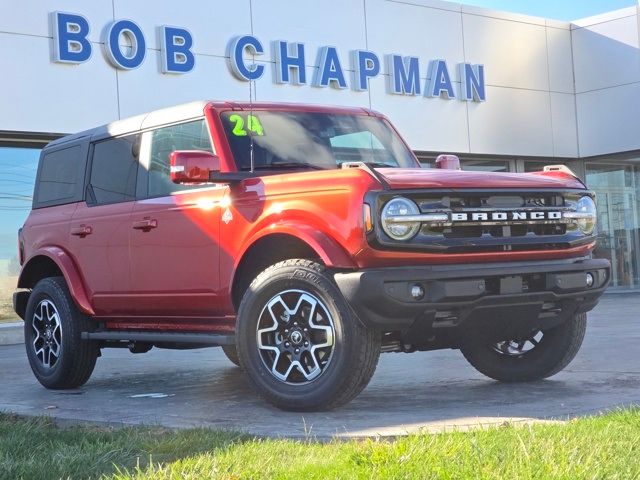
{"x":249,"y":123}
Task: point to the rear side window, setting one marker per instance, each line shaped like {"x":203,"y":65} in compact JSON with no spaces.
{"x":114,"y":168}
{"x":184,"y":136}
{"x":60,"y":177}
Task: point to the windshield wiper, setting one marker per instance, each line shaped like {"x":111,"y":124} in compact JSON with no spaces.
{"x":287,"y":165}
{"x":373,"y":164}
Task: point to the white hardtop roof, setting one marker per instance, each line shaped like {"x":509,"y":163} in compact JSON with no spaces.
{"x":164,"y":116}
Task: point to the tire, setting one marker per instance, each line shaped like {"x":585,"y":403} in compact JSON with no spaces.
{"x":557,"y":347}
{"x":338,"y":355}
{"x":51,"y":301}
{"x":231,"y":353}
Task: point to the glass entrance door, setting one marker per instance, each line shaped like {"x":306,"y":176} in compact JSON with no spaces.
{"x":618,"y":200}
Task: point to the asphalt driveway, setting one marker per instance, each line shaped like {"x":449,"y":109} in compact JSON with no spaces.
{"x":428,"y":391}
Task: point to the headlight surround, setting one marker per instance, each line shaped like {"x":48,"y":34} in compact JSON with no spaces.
{"x":586,"y":207}
{"x":397,"y":208}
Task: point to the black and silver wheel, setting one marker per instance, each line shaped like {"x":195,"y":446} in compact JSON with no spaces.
{"x":533,"y":356}
{"x":299,"y":342}
{"x":58,"y":357}
{"x":295,"y":336}
{"x":47,"y":330}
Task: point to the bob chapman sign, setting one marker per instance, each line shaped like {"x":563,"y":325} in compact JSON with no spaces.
{"x":125,"y":47}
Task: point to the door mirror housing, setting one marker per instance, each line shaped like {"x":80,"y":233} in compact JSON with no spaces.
{"x":193,"y":166}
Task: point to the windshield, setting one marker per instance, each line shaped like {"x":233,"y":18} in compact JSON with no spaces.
{"x":312,"y":140}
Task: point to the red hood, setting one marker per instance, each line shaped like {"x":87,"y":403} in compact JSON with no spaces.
{"x":409,"y":178}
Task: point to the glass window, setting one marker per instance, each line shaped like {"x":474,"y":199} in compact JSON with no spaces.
{"x":312,"y":140}
{"x":114,"y":169}
{"x":185,"y":136}
{"x":485,"y":165}
{"x":535,"y":166}
{"x":18,"y":166}
{"x":60,"y":173}
{"x":618,"y":199}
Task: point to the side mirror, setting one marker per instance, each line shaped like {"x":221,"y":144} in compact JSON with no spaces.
{"x":448,"y":162}
{"x":192,"y":166}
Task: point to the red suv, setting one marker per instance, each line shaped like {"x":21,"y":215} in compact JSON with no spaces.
{"x":303,"y":240}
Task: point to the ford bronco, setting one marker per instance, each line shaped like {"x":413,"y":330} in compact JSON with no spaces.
{"x":304,"y":241}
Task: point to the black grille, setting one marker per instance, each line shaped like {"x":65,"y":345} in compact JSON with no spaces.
{"x":476,"y":231}
{"x":485,"y":236}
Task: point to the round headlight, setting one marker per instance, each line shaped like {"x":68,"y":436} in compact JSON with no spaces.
{"x":393,"y":222}
{"x":587,"y":222}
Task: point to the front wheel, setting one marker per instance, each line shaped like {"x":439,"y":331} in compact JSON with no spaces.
{"x":299,"y":342}
{"x":538,"y":355}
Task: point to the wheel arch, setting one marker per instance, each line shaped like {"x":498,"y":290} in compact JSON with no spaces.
{"x":283,"y":242}
{"x":55,"y":262}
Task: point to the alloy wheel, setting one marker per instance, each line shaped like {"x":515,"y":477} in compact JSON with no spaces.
{"x":518,"y":347}
{"x":295,"y":337}
{"x":47,"y":343}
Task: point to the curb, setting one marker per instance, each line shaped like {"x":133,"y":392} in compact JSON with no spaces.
{"x":11,"y":333}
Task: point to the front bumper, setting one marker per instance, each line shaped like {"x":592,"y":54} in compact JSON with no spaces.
{"x":468,"y":295}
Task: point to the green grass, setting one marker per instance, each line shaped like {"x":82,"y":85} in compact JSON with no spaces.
{"x":591,"y":448}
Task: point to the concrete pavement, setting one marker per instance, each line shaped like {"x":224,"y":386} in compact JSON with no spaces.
{"x":430,"y":391}
{"x":12,"y":333}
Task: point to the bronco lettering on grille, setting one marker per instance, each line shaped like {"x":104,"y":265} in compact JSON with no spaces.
{"x":505,"y":216}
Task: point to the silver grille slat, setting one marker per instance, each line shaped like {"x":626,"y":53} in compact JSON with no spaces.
{"x":444,"y":218}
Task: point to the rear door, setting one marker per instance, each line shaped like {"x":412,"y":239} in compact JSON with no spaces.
{"x":174,"y":234}
{"x":101,"y":224}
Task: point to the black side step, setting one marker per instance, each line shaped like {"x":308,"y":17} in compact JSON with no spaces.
{"x":160,"y":337}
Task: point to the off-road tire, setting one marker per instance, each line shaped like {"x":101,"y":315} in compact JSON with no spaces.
{"x":77,"y":357}
{"x":231,"y":353}
{"x":355,"y":353}
{"x":557,"y":348}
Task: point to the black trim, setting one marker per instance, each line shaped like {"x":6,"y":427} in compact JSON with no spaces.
{"x":235,"y":177}
{"x":438,"y":243}
{"x":382,"y":299}
{"x":20,"y":300}
{"x":160,"y":337}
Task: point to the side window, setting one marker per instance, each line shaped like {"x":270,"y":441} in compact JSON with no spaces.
{"x":60,"y":173}
{"x":185,"y":136}
{"x":113,"y":170}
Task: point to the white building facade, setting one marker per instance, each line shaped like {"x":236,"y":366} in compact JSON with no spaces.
{"x":504,"y":91}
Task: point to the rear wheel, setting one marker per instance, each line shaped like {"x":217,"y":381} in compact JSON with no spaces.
{"x":299,"y":342}
{"x":537,"y":355}
{"x":231,"y":353}
{"x":58,"y":357}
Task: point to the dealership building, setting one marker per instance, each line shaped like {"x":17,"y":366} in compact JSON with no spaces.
{"x":506,"y":92}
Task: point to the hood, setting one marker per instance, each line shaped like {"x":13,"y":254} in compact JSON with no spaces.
{"x":414,"y":178}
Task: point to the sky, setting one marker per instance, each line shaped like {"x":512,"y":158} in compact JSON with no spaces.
{"x":555,"y":9}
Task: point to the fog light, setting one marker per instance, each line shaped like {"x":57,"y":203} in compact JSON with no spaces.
{"x":417,"y":292}
{"x":590,"y":280}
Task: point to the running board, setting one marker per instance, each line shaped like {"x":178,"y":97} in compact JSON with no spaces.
{"x":159,"y":337}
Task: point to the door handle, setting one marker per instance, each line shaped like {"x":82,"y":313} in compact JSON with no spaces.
{"x":81,"y":231}
{"x":145,"y":225}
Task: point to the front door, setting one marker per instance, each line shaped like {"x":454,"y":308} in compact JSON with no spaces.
{"x":174,"y":243}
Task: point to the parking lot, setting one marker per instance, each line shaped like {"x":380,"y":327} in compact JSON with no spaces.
{"x":428,"y":391}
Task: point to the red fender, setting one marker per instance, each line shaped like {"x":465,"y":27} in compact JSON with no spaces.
{"x":69,"y":271}
{"x":330,"y":251}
